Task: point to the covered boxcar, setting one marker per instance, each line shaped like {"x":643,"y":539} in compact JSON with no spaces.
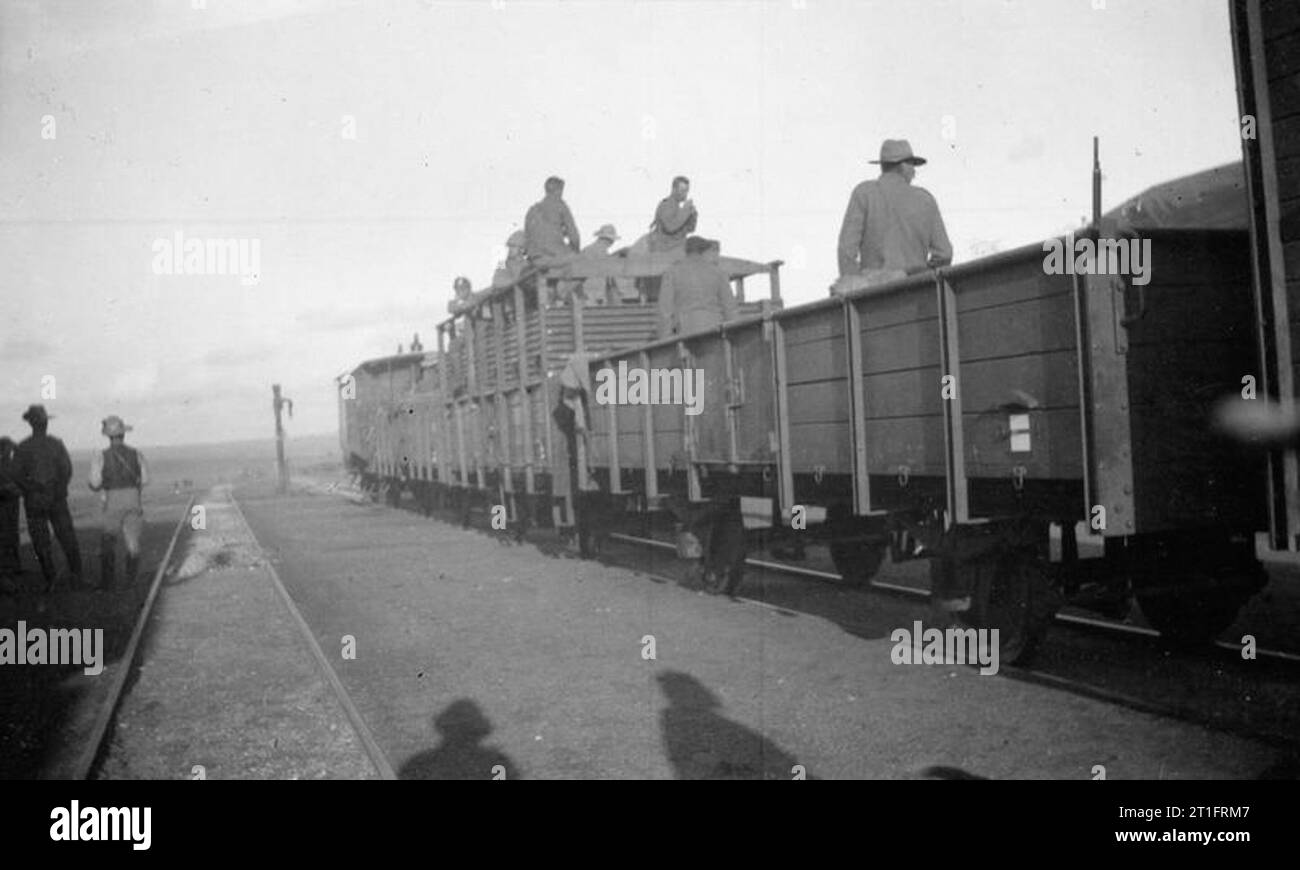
{"x":1266,"y":47}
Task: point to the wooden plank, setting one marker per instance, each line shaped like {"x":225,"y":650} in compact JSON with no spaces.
{"x":712,"y":427}
{"x":857,"y":409}
{"x":444,"y":453}
{"x":502,"y":405}
{"x":1050,"y":378}
{"x":824,"y":444}
{"x":825,"y":401}
{"x":1280,"y":17}
{"x":893,"y":309}
{"x":1285,"y":96}
{"x":899,"y":348}
{"x":648,"y":440}
{"x":955,"y":473}
{"x":521,"y":359}
{"x":811,"y":362}
{"x":1030,"y":327}
{"x":1281,"y":55}
{"x":756,"y":418}
{"x":689,"y":433}
{"x":916,"y":442}
{"x":1286,"y":133}
{"x":903,"y":394}
{"x":1011,"y":284}
{"x":815,"y":327}
{"x":781,"y":392}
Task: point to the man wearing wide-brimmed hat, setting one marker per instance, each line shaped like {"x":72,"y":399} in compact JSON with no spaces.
{"x":43,"y":469}
{"x":891,"y":228}
{"x":696,"y":293}
{"x":611,"y":289}
{"x":119,"y":472}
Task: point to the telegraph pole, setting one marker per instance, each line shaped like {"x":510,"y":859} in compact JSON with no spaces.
{"x":277,"y":403}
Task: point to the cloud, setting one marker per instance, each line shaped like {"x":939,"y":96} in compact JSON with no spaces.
{"x":234,"y":357}
{"x":24,"y":348}
{"x":339,"y":319}
{"x":1026,"y":148}
{"x":136,"y":383}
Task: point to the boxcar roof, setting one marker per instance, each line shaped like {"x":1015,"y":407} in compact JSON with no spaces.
{"x":1213,"y":199}
{"x":384,"y":363}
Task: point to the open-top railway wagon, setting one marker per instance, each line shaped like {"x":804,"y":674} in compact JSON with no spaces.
{"x":1037,"y":436}
{"x":1041,"y":437}
{"x":471,"y":424}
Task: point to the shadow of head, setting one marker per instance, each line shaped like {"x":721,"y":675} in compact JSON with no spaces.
{"x":683,"y":690}
{"x":462,"y":722}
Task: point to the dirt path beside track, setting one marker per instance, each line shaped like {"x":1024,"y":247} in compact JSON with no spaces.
{"x":474,"y":653}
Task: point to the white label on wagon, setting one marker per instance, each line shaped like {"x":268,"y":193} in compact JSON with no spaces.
{"x":1020,"y":433}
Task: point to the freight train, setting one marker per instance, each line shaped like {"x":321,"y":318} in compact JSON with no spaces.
{"x":1039,"y":434}
{"x":1039,"y":429}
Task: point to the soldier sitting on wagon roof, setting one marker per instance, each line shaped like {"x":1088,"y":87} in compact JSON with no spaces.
{"x":891,"y":228}
{"x":552,"y":236}
{"x":696,"y":292}
{"x":549,"y":227}
{"x":599,"y":290}
{"x":675,"y":217}
{"x":512,"y":267}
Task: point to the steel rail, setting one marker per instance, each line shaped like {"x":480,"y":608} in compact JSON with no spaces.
{"x":85,"y":763}
{"x":359,"y":726}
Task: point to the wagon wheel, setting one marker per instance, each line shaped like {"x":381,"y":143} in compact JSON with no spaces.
{"x":856,"y":561}
{"x":1193,"y":606}
{"x":710,"y":578}
{"x":1009,"y":593}
{"x":734,"y":575}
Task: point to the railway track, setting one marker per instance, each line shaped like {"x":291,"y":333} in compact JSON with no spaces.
{"x":378,"y":759}
{"x":84,"y":765}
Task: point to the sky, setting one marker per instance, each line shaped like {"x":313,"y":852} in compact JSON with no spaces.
{"x":374,"y":151}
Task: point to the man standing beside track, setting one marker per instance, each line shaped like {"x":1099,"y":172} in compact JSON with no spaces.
{"x":10,"y":503}
{"x":43,"y":468}
{"x":119,"y":472}
{"x":891,"y":228}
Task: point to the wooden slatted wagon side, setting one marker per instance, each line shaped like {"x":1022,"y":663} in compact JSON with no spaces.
{"x":1035,"y":435}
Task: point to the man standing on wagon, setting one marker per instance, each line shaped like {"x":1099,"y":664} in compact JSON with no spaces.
{"x":696,"y":293}
{"x":891,"y":228}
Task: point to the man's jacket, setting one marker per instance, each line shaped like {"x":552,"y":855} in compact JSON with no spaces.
{"x":43,"y":469}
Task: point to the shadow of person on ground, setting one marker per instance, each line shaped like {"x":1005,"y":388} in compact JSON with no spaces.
{"x":944,"y":772}
{"x":39,"y":704}
{"x":701,"y":743}
{"x":461,"y":754}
